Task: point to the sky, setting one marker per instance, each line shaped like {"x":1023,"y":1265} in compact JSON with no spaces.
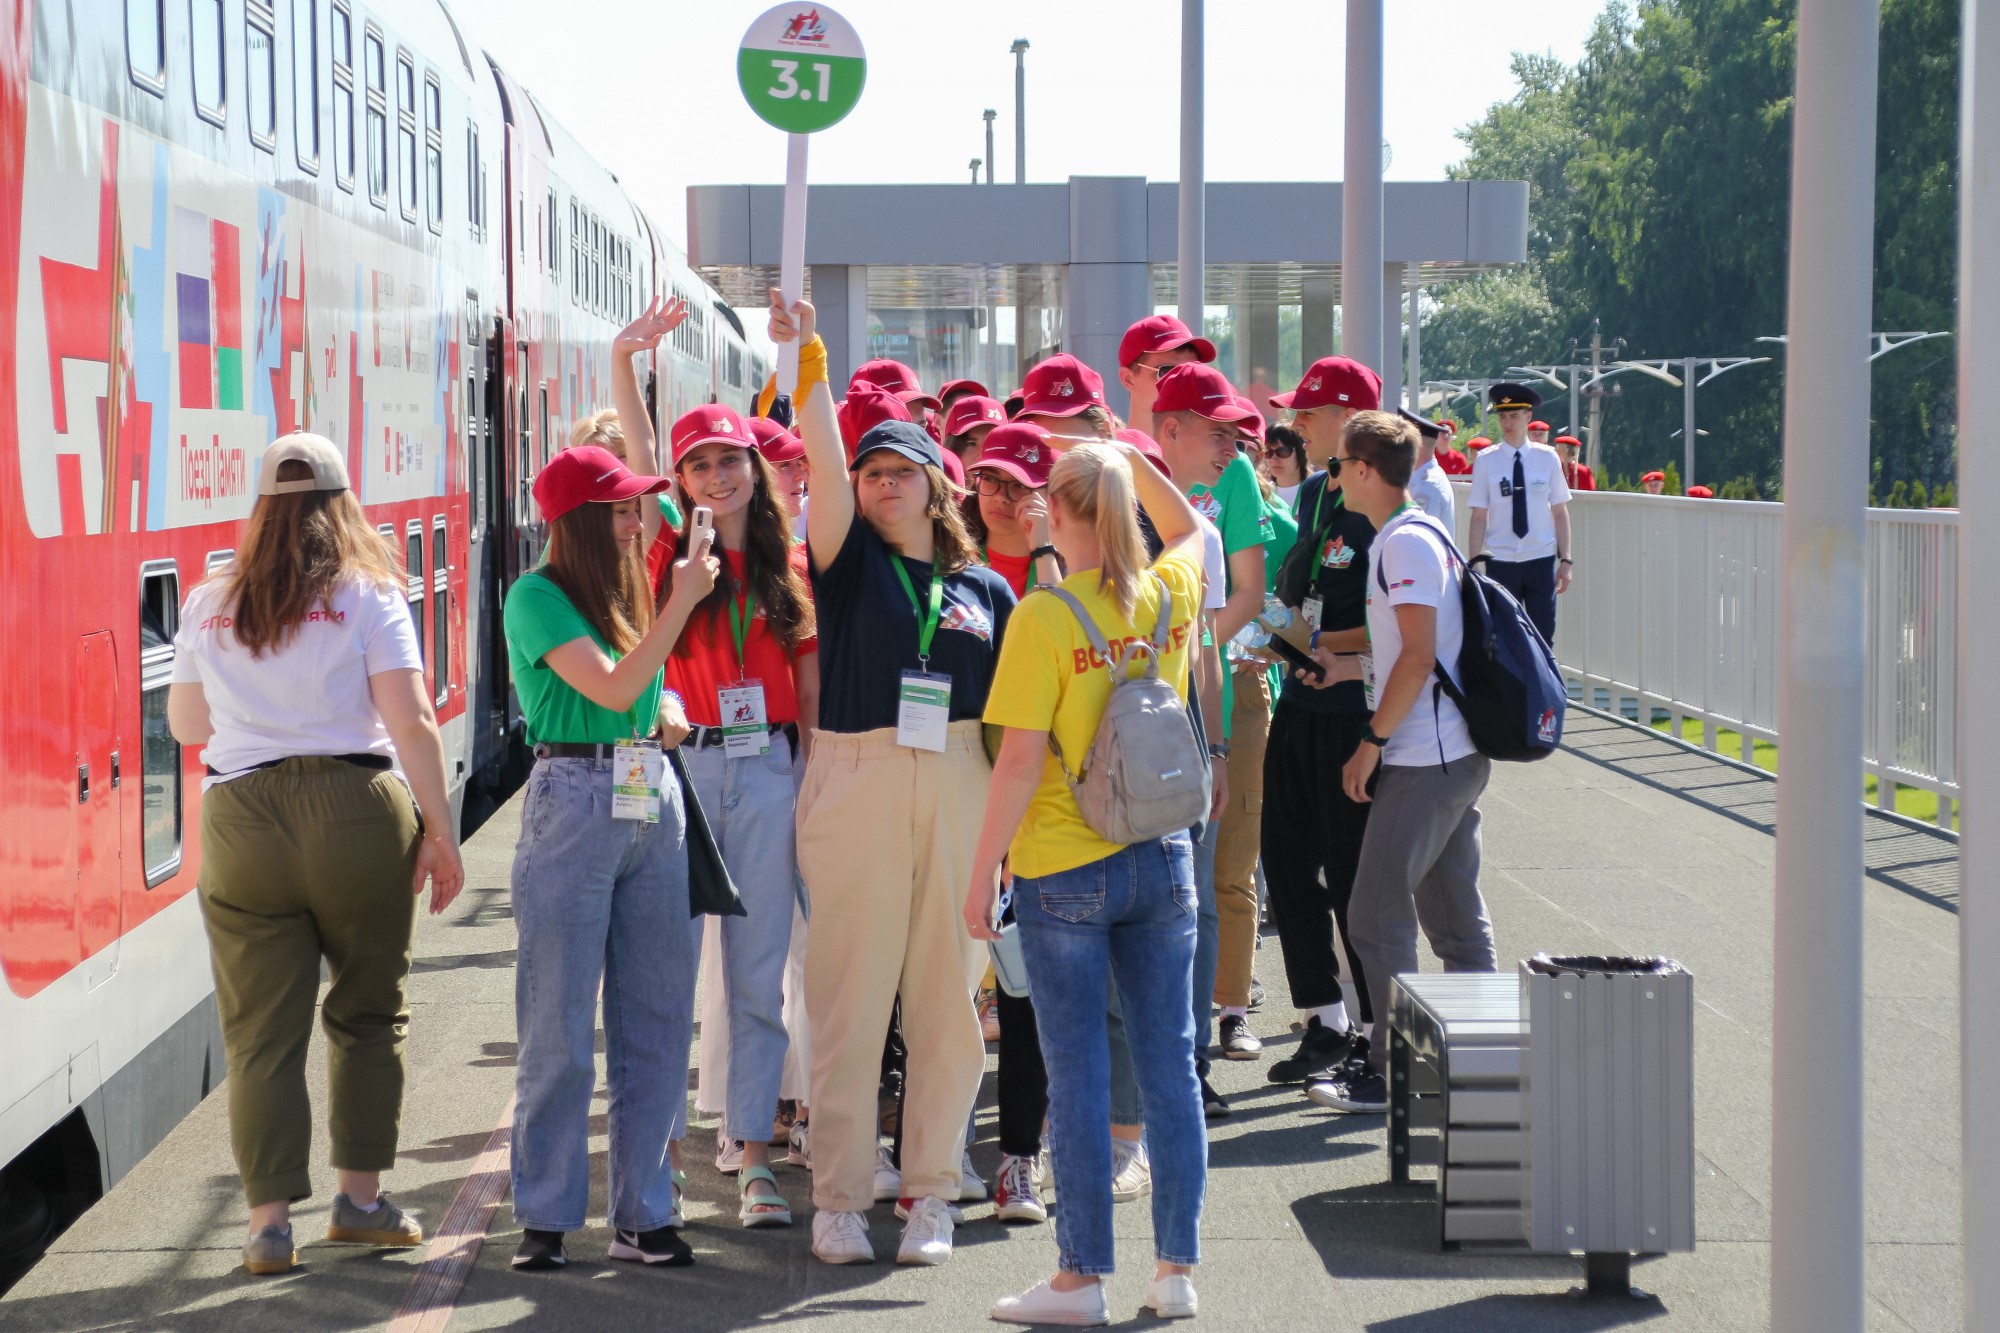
{"x":650,"y":86}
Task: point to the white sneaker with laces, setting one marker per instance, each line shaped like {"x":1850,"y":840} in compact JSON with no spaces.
{"x":841,"y":1238}
{"x":971,"y":1187}
{"x":903,"y":1211}
{"x":1045,"y":1170}
{"x":1042,"y":1304}
{"x":927,"y":1235}
{"x":888,"y":1180}
{"x":1014,"y":1195}
{"x":1172,"y":1296}
{"x":799,"y":1152}
{"x":728,"y":1152}
{"x":1131,"y":1170}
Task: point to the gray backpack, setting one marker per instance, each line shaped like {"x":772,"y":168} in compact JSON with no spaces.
{"x":1145,"y":775}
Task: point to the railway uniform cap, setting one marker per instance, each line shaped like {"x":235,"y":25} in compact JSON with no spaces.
{"x":1202,"y":390}
{"x":897,"y":378}
{"x":1509,"y":397}
{"x":900,"y":437}
{"x":1700,"y":493}
{"x":588,"y":474}
{"x":963,"y":386}
{"x":1570,"y":440}
{"x":1478,"y":442}
{"x":772,"y":440}
{"x":711,"y":423}
{"x":329,"y":469}
{"x":1539,"y":425}
{"x":1430,"y":430}
{"x":1654,"y":476}
{"x":975,"y":409}
{"x":866,"y":406}
{"x":1333,"y":381}
{"x":1061,"y":386}
{"x":1161,"y":333}
{"x":1148,"y":446}
{"x":1018,"y":450}
{"x":1252,"y":426}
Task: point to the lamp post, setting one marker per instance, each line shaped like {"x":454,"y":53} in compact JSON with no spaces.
{"x":987,"y":115}
{"x":1687,"y":383}
{"x":1019,"y":48}
{"x":975,"y":171}
{"x":1191,"y":254}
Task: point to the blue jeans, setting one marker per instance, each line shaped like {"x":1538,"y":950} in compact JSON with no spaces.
{"x":1208,"y":940}
{"x":598,"y":899}
{"x":1130,"y":916}
{"x":749,"y":804}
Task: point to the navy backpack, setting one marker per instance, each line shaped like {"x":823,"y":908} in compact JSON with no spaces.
{"x":1508,"y":686}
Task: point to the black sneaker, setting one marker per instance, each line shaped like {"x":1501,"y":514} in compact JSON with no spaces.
{"x":1357,"y":1090}
{"x":1213,"y":1107}
{"x":540,"y":1250}
{"x":661,"y":1245}
{"x":1321,"y":1053}
{"x":1238,"y":1043}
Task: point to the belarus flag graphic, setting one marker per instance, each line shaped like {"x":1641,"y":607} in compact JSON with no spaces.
{"x":208,"y":284}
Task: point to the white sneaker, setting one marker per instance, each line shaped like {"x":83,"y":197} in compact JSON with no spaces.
{"x":1043,"y":1304}
{"x":1014,"y":1195}
{"x":888,"y":1180}
{"x":903,"y":1211}
{"x":927,"y":1236}
{"x":799,"y":1152}
{"x":1172,"y":1296}
{"x":971,"y":1187}
{"x":728,"y":1152}
{"x":1045,"y":1170}
{"x":1131,"y":1170}
{"x":841,"y":1238}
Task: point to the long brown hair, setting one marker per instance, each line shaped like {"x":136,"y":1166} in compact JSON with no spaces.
{"x":767,"y":567}
{"x":952,"y":546}
{"x":297,"y":549}
{"x":604,"y":581}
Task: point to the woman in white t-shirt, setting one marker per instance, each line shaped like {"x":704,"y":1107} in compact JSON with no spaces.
{"x":297,"y":670}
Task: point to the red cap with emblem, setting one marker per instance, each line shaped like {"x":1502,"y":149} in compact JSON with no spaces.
{"x":1334,"y":381}
{"x":585,"y":475}
{"x":1202,"y":390}
{"x":777,"y":444}
{"x":973,"y":410}
{"x":711,"y":423}
{"x":897,"y":378}
{"x":1148,"y":446}
{"x":1061,"y":386}
{"x":1538,"y":425}
{"x":1161,"y":333}
{"x":867,"y":405}
{"x":1252,"y":426}
{"x":1019,"y":450}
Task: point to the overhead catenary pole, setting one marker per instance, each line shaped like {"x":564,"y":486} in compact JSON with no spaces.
{"x":1361,"y":190}
{"x":1978,"y":651}
{"x":1019,"y":48}
{"x":987,"y":115}
{"x":1817,"y":1210}
{"x":1192,"y":253}
{"x":1687,"y":420}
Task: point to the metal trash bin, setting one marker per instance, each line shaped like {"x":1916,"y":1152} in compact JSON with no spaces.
{"x":1607,"y":1108}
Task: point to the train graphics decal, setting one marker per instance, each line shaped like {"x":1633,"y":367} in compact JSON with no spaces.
{"x":174,"y":323}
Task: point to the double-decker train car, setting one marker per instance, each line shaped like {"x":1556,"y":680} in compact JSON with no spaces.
{"x":222,"y":220}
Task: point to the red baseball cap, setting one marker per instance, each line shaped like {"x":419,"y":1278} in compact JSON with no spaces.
{"x":1654,"y":476}
{"x":777,"y":444}
{"x":1252,"y":426}
{"x":711,"y":423}
{"x":867,"y":405}
{"x":1161,"y":333}
{"x":1700,"y":493}
{"x":1570,"y":440}
{"x":1539,"y":425}
{"x":1202,"y":390}
{"x":1333,"y":381}
{"x":1020,"y":450}
{"x":897,"y":378}
{"x":954,"y":467}
{"x":1061,"y":386}
{"x":1148,"y":446}
{"x":975,"y":409}
{"x":588,"y":474}
{"x":1449,"y":425}
{"x":1478,"y":442}
{"x":963,"y":386}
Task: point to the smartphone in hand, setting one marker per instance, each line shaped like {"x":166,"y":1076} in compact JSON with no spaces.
{"x":701,"y":528}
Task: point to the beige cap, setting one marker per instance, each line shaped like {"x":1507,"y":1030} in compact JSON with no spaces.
{"x":316,"y":451}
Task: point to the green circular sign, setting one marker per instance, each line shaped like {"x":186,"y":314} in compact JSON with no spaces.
{"x":801,"y":67}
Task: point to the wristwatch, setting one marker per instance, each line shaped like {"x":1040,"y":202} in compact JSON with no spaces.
{"x":1218,"y":750}
{"x":1368,"y":737}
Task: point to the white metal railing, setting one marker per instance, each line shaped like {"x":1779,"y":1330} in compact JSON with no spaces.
{"x":1676,"y":605}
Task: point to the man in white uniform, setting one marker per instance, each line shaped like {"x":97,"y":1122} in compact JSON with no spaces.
{"x":1429,"y":486}
{"x":1520,"y":510}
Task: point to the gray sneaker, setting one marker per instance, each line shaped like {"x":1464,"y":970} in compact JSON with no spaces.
{"x":270,"y":1251}
{"x":387,"y":1225}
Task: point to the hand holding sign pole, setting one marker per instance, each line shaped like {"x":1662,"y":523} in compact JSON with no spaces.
{"x":802,"y":69}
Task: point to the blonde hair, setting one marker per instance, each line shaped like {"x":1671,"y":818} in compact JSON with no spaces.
{"x":296,"y":551}
{"x":599,"y":428}
{"x":1093,"y":484}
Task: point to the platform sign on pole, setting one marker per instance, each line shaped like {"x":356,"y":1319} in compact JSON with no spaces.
{"x":801,"y":68}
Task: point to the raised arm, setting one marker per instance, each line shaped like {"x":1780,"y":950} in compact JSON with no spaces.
{"x":830,"y":493}
{"x":1173,"y":517}
{"x":642,"y":455}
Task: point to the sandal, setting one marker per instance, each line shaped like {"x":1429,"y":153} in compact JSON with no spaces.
{"x":754,"y":1198}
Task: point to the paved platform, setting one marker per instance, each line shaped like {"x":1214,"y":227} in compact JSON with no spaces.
{"x":1623,"y":843}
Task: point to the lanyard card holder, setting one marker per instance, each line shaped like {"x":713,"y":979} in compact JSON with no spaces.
{"x":637,"y":769}
{"x":923,"y":712}
{"x":746,"y":731}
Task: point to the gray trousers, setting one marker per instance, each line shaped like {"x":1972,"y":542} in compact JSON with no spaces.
{"x":1420,"y":866}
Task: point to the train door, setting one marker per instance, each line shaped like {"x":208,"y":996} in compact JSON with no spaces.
{"x":99,"y":825}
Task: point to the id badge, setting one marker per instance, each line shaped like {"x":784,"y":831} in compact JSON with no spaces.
{"x":923,"y":714}
{"x":1368,"y":678}
{"x":636,"y":771}
{"x":745,"y":730}
{"x":1311,"y":610}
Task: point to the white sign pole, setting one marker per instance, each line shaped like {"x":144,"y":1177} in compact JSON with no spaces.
{"x":792,"y":253}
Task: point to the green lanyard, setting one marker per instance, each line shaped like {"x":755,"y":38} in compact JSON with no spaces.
{"x":988,"y":559}
{"x":1319,"y":546}
{"x":740,"y":616}
{"x":927,"y":624}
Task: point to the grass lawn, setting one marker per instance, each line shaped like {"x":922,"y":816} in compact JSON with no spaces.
{"x":1914,"y":802}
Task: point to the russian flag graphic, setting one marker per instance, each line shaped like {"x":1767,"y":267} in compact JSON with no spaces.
{"x":208,"y":289}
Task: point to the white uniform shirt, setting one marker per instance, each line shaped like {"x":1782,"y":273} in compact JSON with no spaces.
{"x":1430,"y":487}
{"x":1492,"y":490}
{"x":1214,"y":567}
{"x":1410,"y":559}
{"x":307,"y":697}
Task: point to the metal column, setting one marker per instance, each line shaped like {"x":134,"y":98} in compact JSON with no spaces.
{"x":1816,"y":1152}
{"x":1978,"y":651}
{"x":1687,"y":421}
{"x":1413,"y":380}
{"x":1392,"y":336}
{"x":1361,"y":189}
{"x":1194,"y":184}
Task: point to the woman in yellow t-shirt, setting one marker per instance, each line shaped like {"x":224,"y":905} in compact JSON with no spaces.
{"x":1091,"y":911}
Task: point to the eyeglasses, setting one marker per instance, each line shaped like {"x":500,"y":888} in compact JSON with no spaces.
{"x":999,"y":488}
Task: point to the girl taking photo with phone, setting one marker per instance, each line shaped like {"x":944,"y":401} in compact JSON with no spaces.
{"x":600,"y":881}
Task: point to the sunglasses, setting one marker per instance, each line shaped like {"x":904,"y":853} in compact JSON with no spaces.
{"x":1158,"y":370}
{"x":1280,"y":450}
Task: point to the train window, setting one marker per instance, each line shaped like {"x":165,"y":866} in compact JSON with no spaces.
{"x":474,"y":445}
{"x":473,"y":170}
{"x":575,"y":256}
{"x":305,"y":82}
{"x":554,"y":237}
{"x":378,"y":119}
{"x":205,"y":30}
{"x":434,"y":151}
{"x":440,"y":623}
{"x":146,"y":44}
{"x":406,"y":132}
{"x":343,"y":97}
{"x":260,"y":73}
{"x":413,"y":565}
{"x":159,"y":752}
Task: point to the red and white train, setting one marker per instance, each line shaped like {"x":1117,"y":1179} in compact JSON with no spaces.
{"x":222,"y":220}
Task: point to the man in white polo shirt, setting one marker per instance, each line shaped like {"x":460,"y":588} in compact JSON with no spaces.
{"x":1520,"y":510}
